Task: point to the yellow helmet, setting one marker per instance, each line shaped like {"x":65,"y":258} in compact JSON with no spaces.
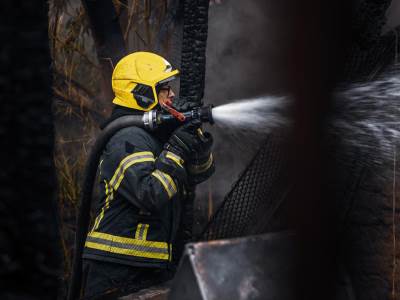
{"x":136,"y":78}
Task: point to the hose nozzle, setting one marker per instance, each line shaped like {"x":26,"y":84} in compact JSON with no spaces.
{"x":204,"y":114}
{"x":153,"y":119}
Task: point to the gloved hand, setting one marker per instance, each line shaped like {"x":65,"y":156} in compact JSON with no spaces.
{"x":187,"y":154}
{"x":204,"y":147}
{"x":185,"y":141}
{"x":182,"y":105}
{"x":201,"y":166}
{"x":180,"y":148}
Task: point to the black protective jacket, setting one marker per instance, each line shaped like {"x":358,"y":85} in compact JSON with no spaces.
{"x":142,"y":189}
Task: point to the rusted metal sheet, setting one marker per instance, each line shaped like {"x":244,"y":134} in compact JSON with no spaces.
{"x":154,"y":293}
{"x":255,"y":267}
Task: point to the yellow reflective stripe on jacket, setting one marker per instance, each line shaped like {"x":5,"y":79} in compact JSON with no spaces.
{"x":197,"y":169}
{"x":177,"y":159}
{"x":145,"y":231}
{"x":127,"y":246}
{"x":141,"y":231}
{"x":127,"y":240}
{"x":127,"y":251}
{"x":115,"y":182}
{"x":167,"y":182}
{"x":127,"y":162}
{"x":107,"y":194}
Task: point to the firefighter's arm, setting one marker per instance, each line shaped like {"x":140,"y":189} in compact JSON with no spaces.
{"x":149,"y":182}
{"x":193,"y":147}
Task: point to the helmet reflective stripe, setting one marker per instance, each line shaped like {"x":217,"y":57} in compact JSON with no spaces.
{"x":140,"y":71}
{"x":167,"y":80}
{"x":168,"y":67}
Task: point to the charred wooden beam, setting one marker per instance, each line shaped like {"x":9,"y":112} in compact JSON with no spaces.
{"x":107,"y":33}
{"x":193,"y":60}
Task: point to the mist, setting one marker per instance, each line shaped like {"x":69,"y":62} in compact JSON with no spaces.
{"x":243,"y":38}
{"x":246,"y":60}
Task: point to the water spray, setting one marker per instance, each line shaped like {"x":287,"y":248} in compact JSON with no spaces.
{"x":364,"y":116}
{"x":258,"y":115}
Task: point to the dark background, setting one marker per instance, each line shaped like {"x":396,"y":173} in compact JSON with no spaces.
{"x":30,"y":248}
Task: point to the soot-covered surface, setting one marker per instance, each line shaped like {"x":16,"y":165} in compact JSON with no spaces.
{"x":29,"y":249}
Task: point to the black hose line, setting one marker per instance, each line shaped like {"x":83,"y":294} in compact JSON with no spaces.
{"x":83,"y":219}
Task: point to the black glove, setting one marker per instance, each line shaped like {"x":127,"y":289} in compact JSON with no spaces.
{"x":182,"y":105}
{"x":204,"y":147}
{"x":187,"y":154}
{"x":181,"y":147}
{"x":201,"y":166}
{"x":185,"y":141}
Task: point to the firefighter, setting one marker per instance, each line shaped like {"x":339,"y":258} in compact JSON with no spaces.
{"x":144,"y":179}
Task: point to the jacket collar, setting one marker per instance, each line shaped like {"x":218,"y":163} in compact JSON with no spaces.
{"x":119,"y":111}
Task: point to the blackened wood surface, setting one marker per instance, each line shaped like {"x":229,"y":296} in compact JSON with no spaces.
{"x":193,"y":59}
{"x":106,"y":30}
{"x":29,"y":249}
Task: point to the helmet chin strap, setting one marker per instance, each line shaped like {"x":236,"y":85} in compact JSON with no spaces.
{"x":167,"y":106}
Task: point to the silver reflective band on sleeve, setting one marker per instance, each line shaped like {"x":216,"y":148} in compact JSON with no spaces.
{"x":167,"y":182}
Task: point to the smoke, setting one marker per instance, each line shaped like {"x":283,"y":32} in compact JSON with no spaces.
{"x":243,"y":38}
{"x":393,"y":16}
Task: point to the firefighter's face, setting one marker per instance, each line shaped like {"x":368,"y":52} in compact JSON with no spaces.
{"x":165,"y":93}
